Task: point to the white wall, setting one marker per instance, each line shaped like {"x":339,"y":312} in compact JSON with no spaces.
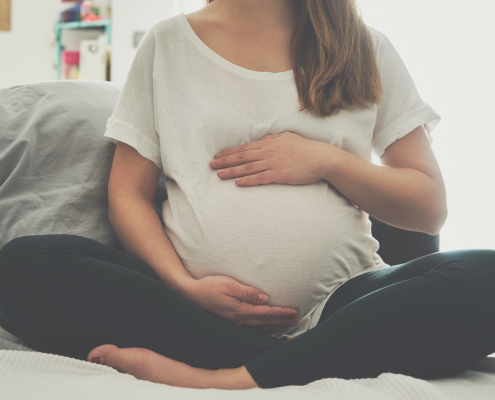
{"x":130,"y":16}
{"x":449,"y":49}
{"x":28,"y":42}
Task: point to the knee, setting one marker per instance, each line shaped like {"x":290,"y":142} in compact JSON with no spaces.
{"x":476,"y":268}
{"x":480,"y":261}
{"x":24,"y":256}
{"x":26,"y":246}
{"x":483,"y":264}
{"x":470,"y":259}
{"x":15,"y":248}
{"x":17,"y":254}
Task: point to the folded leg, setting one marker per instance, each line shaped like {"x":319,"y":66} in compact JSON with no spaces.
{"x":432,"y":317}
{"x":67,"y":294}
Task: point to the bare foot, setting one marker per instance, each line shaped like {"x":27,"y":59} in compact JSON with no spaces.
{"x":150,"y":366}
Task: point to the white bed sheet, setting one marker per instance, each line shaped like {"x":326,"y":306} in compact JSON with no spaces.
{"x":26,"y":374}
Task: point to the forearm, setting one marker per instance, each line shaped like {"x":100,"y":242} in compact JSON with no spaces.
{"x":402,"y":197}
{"x":140,"y":232}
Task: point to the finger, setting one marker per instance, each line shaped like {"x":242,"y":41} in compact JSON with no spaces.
{"x":261,"y":178}
{"x":247,"y":294}
{"x":266,"y":312}
{"x":236,"y":159}
{"x":237,"y":149}
{"x":243,"y":170}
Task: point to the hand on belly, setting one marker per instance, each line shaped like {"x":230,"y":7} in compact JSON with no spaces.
{"x":241,"y":304}
{"x":283,"y":158}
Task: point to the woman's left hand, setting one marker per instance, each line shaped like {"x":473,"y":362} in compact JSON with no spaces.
{"x":285,"y":158}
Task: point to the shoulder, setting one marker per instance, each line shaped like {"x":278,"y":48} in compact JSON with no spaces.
{"x":165,"y":30}
{"x":386,"y":54}
{"x":380,"y":40}
{"x":165,"y":25}
{"x":160,"y":37}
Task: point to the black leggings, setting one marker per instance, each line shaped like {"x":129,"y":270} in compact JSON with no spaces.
{"x":432,"y":317}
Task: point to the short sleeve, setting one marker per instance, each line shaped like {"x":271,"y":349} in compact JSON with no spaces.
{"x":133,"y":118}
{"x":401,"y":109}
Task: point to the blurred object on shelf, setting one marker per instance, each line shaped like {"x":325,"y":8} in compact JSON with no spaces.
{"x":71,"y":72}
{"x":86,"y":9}
{"x":104,"y":41}
{"x":94,"y":59}
{"x":72,"y":14}
{"x":71,"y":57}
{"x":89,"y":12}
{"x":70,"y":60}
{"x":82,"y":11}
{"x":5,"y":15}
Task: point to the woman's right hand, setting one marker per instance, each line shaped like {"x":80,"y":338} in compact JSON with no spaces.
{"x":229,"y":299}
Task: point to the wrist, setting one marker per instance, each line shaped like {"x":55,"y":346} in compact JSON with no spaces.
{"x":329,"y":158}
{"x":181,"y":284}
{"x":188,"y":288}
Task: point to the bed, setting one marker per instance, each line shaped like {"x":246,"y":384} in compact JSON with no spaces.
{"x":54,"y":169}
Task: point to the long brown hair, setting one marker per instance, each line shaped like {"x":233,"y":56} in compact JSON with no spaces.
{"x":333,"y":57}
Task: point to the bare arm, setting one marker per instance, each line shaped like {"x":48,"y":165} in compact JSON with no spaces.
{"x":407,"y":192}
{"x":131,"y":192}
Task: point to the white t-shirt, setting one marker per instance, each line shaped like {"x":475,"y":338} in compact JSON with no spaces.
{"x":182,"y":103}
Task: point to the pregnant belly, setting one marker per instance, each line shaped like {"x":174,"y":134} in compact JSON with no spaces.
{"x":293,"y":242}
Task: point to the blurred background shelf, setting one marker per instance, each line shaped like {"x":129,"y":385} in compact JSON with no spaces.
{"x":105,"y":24}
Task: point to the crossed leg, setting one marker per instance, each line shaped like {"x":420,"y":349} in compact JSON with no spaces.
{"x":76,"y":297}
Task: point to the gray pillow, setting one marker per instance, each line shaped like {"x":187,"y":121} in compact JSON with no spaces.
{"x":55,"y":162}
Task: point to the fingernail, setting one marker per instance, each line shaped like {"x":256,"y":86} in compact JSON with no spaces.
{"x":263,"y":297}
{"x":96,"y":360}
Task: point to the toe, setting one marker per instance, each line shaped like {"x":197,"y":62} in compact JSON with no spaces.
{"x":101,"y":351}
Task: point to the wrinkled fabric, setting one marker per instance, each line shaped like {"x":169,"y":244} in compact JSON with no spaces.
{"x":54,"y":162}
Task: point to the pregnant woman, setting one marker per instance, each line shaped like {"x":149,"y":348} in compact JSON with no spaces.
{"x":263,"y":115}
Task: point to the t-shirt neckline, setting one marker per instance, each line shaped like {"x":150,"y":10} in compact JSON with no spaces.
{"x":264,"y":75}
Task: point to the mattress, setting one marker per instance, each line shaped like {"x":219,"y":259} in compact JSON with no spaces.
{"x":28,"y":374}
